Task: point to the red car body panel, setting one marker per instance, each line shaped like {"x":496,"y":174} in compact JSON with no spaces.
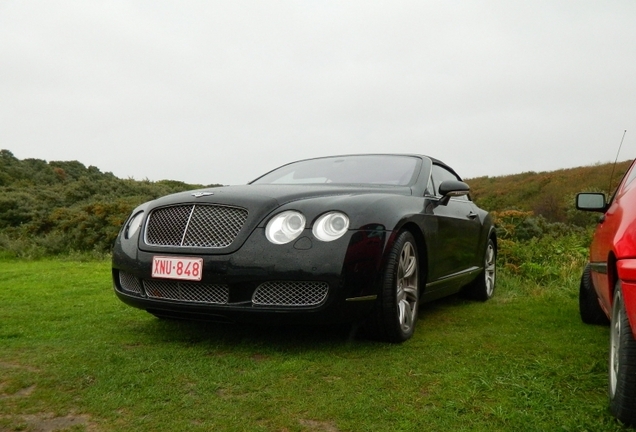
{"x":613,"y":249}
{"x":627,"y":275}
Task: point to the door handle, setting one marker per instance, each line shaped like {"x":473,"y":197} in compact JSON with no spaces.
{"x":472,"y":215}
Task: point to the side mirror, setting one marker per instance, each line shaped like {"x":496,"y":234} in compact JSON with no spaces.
{"x":452,"y":188}
{"x":591,"y":201}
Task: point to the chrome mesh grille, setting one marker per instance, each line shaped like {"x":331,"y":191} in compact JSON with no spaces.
{"x":166,"y":225}
{"x":206,"y":226}
{"x":129,"y":283}
{"x":284,"y":293}
{"x":187,"y":291}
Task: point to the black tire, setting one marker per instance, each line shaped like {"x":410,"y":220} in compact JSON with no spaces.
{"x":589,"y":307}
{"x":483,"y":288}
{"x":622,"y":363}
{"x":396,"y":308}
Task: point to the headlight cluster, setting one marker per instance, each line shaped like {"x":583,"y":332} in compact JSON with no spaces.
{"x":331,"y":226}
{"x":133,"y":225}
{"x":288,"y":225}
{"x":285,"y":227}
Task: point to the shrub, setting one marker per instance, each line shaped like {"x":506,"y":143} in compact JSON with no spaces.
{"x":538,"y":250}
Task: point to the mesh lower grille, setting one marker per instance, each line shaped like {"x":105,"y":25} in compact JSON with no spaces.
{"x":286,"y":293}
{"x":206,"y":226}
{"x":129,"y":283}
{"x":187,"y":291}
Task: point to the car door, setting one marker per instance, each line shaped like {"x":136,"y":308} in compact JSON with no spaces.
{"x":458,"y":231}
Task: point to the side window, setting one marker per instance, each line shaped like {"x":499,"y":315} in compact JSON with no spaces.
{"x":440,"y":174}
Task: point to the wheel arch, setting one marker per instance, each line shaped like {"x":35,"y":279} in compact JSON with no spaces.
{"x":492,"y":235}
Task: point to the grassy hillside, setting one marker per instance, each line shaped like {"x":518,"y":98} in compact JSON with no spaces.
{"x":60,"y":207}
{"x":549,"y":194}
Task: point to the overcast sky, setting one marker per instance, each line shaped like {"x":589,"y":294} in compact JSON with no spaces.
{"x":222,"y":91}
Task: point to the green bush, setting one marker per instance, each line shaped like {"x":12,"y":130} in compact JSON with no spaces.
{"x":64,"y":207}
{"x":538,"y":250}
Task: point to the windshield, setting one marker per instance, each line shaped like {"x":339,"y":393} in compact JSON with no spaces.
{"x":368,"y":169}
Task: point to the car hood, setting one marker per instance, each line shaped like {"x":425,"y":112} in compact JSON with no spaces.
{"x":254,"y":195}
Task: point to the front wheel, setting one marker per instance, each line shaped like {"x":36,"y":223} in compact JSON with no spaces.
{"x":396,"y":309}
{"x":622,"y":363}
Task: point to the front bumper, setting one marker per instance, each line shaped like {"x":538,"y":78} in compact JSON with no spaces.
{"x":347,"y":270}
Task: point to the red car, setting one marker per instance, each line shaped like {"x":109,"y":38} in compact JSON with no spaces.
{"x":608,"y":288}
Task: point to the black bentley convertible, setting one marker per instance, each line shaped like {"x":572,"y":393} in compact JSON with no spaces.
{"x":359,"y":238}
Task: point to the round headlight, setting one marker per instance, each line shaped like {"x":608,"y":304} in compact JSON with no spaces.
{"x":285,"y":227}
{"x":331,"y":226}
{"x":133,"y":225}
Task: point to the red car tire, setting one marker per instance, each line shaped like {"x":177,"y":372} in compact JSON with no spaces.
{"x":622,"y":363}
{"x":589,"y":307}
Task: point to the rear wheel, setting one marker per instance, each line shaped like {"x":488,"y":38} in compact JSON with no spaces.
{"x":622,"y":363}
{"x":589,"y":307}
{"x":483,"y":287}
{"x":396,"y":309}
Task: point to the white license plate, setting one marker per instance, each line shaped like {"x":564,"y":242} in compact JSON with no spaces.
{"x":177,"y":268}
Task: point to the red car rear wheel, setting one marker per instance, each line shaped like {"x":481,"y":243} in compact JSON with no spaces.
{"x":622,"y":363}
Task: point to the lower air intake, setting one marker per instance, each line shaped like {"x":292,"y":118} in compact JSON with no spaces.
{"x":129,"y":283}
{"x":187,"y":291}
{"x":284,"y":293}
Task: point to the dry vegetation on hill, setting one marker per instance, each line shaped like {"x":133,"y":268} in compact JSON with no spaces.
{"x":548,"y":194}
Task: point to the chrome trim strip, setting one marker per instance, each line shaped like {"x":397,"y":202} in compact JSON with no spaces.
{"x":365,"y":298}
{"x":599,"y":267}
{"x":187,"y":225}
{"x":463,"y":273}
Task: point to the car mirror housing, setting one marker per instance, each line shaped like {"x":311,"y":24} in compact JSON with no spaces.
{"x":452,"y":188}
{"x":591,"y":201}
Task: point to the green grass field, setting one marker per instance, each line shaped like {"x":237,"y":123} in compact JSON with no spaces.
{"x":72,"y":357}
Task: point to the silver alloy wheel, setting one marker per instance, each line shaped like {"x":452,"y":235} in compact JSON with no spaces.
{"x":615,"y":342}
{"x":407,"y":296}
{"x":490,"y":269}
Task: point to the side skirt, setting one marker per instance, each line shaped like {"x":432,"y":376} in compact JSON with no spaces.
{"x":449,"y":285}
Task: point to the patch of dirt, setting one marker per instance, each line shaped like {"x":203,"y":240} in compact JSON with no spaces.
{"x":331,"y":379}
{"x":49,"y":423}
{"x":7,"y":365}
{"x":133,"y":345}
{"x":319,"y":426}
{"x":20,"y":393}
{"x":259,"y":357}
